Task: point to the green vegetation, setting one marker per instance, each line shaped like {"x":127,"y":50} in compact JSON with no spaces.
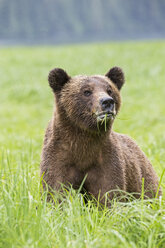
{"x":26,"y":106}
{"x":44,"y":21}
{"x":104,"y":121}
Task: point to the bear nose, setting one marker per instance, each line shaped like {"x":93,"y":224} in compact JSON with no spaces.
{"x":107,"y":103}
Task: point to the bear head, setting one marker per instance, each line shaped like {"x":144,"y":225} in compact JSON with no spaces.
{"x":87,"y":102}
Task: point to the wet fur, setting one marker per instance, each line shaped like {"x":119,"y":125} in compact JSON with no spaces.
{"x":73,"y":147}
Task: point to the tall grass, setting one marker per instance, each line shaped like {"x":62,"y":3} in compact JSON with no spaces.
{"x":26,"y":218}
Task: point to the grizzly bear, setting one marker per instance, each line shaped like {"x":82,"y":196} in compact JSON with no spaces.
{"x":79,"y":139}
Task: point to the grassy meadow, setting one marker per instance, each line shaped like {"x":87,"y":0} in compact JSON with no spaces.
{"x":26,"y":105}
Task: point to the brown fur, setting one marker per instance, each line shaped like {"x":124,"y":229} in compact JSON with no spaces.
{"x":74,"y":146}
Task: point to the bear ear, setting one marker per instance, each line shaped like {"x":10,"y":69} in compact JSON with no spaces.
{"x":116,"y":75}
{"x":57,"y":78}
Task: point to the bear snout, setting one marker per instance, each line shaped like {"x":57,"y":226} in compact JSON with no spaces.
{"x":107,"y":104}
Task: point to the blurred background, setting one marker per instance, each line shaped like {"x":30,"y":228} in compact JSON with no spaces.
{"x":73,"y":21}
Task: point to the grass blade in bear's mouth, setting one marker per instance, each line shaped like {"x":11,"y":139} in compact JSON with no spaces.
{"x":103,"y":118}
{"x":103,"y":115}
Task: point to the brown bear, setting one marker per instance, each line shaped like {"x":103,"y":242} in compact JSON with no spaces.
{"x":80,"y":142}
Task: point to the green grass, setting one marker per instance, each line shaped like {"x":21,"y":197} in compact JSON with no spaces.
{"x":26,"y":105}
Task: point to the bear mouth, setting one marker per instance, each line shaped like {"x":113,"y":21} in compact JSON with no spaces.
{"x":105,"y":115}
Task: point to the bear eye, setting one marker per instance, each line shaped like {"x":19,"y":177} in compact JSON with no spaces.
{"x":109,"y":92}
{"x":87,"y":93}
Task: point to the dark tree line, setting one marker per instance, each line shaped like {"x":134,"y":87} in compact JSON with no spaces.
{"x":80,"y":20}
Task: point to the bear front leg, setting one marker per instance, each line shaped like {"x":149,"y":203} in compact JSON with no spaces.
{"x":52,"y":173}
{"x":105,"y":183}
{"x":57,"y":172}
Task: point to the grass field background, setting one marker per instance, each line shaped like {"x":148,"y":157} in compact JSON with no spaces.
{"x":26,"y":105}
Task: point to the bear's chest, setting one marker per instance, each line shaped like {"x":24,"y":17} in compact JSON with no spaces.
{"x":85,"y":156}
